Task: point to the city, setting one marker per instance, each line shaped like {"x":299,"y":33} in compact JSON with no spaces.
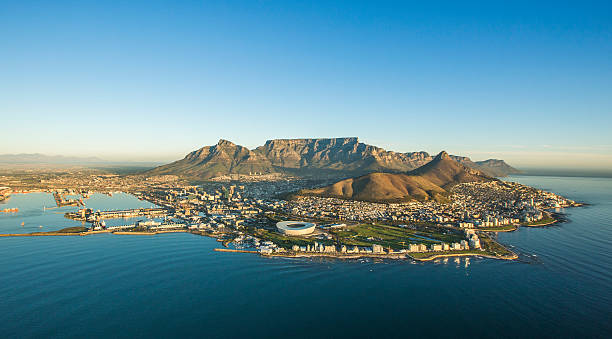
{"x":335,"y":169}
{"x":244,"y":215}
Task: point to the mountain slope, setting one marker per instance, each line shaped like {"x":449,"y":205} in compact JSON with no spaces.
{"x":429,"y":182}
{"x":496,"y":167}
{"x":341,"y":154}
{"x":220,"y":159}
{"x":340,"y":157}
{"x":446,"y":172}
{"x":335,"y":157}
{"x":491,"y":167}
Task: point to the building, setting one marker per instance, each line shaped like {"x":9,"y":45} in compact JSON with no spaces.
{"x":436,"y":247}
{"x":295,"y":227}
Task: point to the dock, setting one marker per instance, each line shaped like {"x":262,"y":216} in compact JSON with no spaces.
{"x":232,"y":250}
{"x":61,"y":201}
{"x":90,"y":216}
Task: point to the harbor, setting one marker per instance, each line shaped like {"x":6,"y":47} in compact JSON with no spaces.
{"x":89,"y":215}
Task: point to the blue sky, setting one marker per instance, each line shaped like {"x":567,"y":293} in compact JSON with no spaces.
{"x":527,"y":82}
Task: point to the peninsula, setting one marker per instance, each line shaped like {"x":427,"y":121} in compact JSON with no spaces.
{"x":399,"y":205}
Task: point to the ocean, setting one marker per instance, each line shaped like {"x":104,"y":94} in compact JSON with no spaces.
{"x":173,"y":285}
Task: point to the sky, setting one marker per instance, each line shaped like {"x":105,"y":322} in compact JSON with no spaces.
{"x":525,"y":81}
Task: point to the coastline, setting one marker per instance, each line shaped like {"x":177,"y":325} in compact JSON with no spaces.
{"x":394,"y":256}
{"x":451,"y":255}
{"x":46,"y":234}
{"x":542,"y":225}
{"x":498,"y":230}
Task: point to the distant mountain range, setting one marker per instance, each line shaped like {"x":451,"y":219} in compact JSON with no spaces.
{"x":431,"y":181}
{"x":37,"y":158}
{"x":335,"y":157}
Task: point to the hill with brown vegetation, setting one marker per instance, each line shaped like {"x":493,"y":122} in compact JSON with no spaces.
{"x":431,"y":181}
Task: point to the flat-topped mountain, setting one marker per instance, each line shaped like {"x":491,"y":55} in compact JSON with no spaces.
{"x":337,"y":157}
{"x":428,"y":182}
{"x":341,"y":154}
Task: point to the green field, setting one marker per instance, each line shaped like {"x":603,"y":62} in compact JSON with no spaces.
{"x":544,"y":221}
{"x":492,"y":247}
{"x":499,"y":228}
{"x":388,"y":236}
{"x":392,"y":236}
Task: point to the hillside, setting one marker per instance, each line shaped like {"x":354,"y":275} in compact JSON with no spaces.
{"x":335,"y":157}
{"x":339,"y":154}
{"x":429,"y":182}
{"x":220,"y":159}
{"x":496,"y":167}
{"x":491,"y":167}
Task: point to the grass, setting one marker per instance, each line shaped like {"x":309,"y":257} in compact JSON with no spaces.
{"x":489,"y":247}
{"x":492,"y":247}
{"x":544,"y":221}
{"x":390,"y":236}
{"x":498,"y":228}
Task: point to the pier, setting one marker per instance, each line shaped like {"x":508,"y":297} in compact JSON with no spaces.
{"x":87,"y":214}
{"x":232,"y":250}
{"x":61,"y":201}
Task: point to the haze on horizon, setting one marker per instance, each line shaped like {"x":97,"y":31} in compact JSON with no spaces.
{"x":152,"y":81}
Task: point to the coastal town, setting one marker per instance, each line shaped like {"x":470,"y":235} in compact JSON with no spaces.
{"x":245,"y":216}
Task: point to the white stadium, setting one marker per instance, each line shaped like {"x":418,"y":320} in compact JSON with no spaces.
{"x":295,"y":227}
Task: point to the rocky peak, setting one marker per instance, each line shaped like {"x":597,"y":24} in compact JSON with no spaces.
{"x":331,"y":156}
{"x":225,"y":143}
{"x":295,"y":142}
{"x":443,"y":155}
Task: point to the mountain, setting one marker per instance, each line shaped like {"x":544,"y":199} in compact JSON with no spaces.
{"x":496,"y":167}
{"x":491,"y":167}
{"x":333,"y":157}
{"x":337,"y":154}
{"x":431,"y":181}
{"x":220,"y":159}
{"x":304,"y":157}
{"x":37,"y":158}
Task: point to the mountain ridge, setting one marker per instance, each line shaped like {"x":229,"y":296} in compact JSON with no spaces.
{"x":431,"y":181}
{"x":337,"y":157}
